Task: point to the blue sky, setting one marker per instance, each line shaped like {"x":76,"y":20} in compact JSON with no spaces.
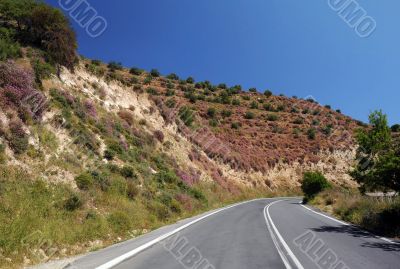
{"x":292,"y":47}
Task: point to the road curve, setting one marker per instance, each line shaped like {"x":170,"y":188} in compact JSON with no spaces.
{"x":267,"y":233}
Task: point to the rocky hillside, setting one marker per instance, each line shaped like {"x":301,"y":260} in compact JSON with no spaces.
{"x":212,"y":133}
{"x":255,"y":139}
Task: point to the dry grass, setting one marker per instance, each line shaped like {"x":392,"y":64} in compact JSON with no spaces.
{"x":379,"y":215}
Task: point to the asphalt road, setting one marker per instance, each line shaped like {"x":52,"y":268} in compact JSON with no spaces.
{"x":270,"y":233}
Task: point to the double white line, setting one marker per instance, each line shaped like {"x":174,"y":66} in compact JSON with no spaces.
{"x":278,"y":240}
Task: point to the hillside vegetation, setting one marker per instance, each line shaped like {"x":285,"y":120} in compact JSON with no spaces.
{"x":94,"y":153}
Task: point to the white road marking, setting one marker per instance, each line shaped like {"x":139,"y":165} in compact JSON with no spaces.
{"x":338,"y":221}
{"x":285,"y":245}
{"x":275,"y":241}
{"x":347,"y":224}
{"x":151,"y":243}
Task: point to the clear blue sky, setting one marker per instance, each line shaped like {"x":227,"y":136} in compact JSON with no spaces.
{"x":289,"y":46}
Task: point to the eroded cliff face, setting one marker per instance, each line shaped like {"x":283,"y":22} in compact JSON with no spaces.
{"x":232,"y":137}
{"x":196,"y":160}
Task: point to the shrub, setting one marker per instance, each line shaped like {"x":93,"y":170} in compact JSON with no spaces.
{"x":315,"y":122}
{"x":254,"y":105}
{"x":298,"y":121}
{"x":316,"y":112}
{"x":47,"y":138}
{"x":17,"y":138}
{"x":166,"y":177}
{"x":338,"y":111}
{"x":211,"y":112}
{"x":280,"y":108}
{"x":213,"y":122}
{"x":313,"y":183}
{"x":3,"y":156}
{"x":142,"y":122}
{"x":101,"y":179}
{"x":96,"y":62}
{"x":327,"y":130}
{"x":8,"y":48}
{"x":199,"y":85}
{"x":277,"y":129}
{"x":170,"y":92}
{"x":132,"y":190}
{"x":186,"y":114}
{"x":42,"y":69}
{"x":161,"y":211}
{"x":136,"y":71}
{"x":159,"y":135}
{"x":19,"y":92}
{"x":90,"y":108}
{"x":296,"y":132}
{"x":109,"y":154}
{"x":119,"y":222}
{"x":253,"y":90}
{"x":272,"y":117}
{"x":170,"y":85}
{"x":171,"y":103}
{"x":190,"y":80}
{"x":173,"y":76}
{"x":224,"y":98}
{"x":197,"y":194}
{"x":191,"y":96}
{"x":328,"y":106}
{"x":154,"y":73}
{"x":268,"y":107}
{"x":222,"y":86}
{"x":134,"y":80}
{"x":226,"y":113}
{"x":246,"y":97}
{"x":84,"y":181}
{"x":114,"y":66}
{"x":128,"y":172}
{"x":235,"y":89}
{"x":96,"y":70}
{"x":395,"y":128}
{"x":268,"y":93}
{"x":311,"y":133}
{"x":126,"y":116}
{"x":148,"y":80}
{"x":236,"y":125}
{"x":249,"y":115}
{"x":73,"y":203}
{"x":152,"y":91}
{"x":175,"y":206}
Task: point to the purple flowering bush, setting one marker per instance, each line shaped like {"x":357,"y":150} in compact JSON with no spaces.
{"x":17,"y":92}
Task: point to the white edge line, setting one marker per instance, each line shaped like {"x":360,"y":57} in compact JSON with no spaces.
{"x":287,"y":248}
{"x":275,"y":241}
{"x":347,"y":224}
{"x":137,"y":250}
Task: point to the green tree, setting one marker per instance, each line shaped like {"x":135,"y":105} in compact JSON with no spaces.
{"x":313,"y":183}
{"x":377,"y":156}
{"x":18,"y":10}
{"x":268,"y":93}
{"x":43,"y":26}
